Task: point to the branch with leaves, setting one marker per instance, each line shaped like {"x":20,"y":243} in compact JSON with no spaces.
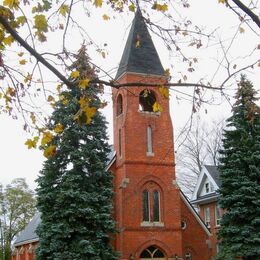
{"x":28,"y":25}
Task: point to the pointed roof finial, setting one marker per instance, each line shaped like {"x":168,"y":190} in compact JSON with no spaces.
{"x":140,"y":55}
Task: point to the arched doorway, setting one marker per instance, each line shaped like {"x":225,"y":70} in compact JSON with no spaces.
{"x":152,"y":252}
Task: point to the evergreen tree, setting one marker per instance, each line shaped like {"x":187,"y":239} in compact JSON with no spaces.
{"x":75,"y":191}
{"x":240,"y":176}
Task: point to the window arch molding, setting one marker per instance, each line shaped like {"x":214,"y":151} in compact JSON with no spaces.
{"x":152,"y":252}
{"x":152,"y":205}
{"x":154,"y":242}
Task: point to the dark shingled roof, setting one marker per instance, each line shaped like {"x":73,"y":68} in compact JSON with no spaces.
{"x":29,"y":234}
{"x":140,"y":55}
{"x":213,"y":171}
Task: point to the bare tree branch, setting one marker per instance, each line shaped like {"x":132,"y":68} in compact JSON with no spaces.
{"x":244,"y":8}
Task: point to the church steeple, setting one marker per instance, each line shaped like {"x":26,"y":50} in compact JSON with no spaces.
{"x":140,"y":55}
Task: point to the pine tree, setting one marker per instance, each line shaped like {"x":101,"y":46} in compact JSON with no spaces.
{"x":74,"y":189}
{"x":240,"y":176}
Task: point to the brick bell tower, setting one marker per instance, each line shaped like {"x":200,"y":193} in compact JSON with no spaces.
{"x":147,"y":200}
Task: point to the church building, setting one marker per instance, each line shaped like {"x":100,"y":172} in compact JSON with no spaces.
{"x":154,"y":218}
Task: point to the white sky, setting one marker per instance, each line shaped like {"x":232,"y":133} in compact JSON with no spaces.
{"x":17,"y":161}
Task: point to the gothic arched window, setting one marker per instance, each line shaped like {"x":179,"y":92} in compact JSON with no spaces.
{"x":151,"y":208}
{"x":119,"y":105}
{"x":156,"y":206}
{"x":146,"y":100}
{"x":146,"y":208}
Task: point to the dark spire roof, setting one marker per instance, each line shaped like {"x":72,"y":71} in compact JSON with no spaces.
{"x":140,"y":55}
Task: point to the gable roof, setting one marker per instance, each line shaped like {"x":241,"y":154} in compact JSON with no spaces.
{"x":140,"y":55}
{"x":194,"y":213}
{"x":211,"y":172}
{"x":28,"y":235}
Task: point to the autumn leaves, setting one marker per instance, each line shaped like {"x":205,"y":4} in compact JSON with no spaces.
{"x":84,"y":115}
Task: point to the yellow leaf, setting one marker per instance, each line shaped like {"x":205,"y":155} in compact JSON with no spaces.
{"x":241,"y":30}
{"x":84,"y":83}
{"x":98,"y":3}
{"x":103,"y":54}
{"x":131,"y":8}
{"x":64,"y":9}
{"x":90,"y":113}
{"x":33,"y":118}
{"x":222,"y":1}
{"x":12,"y":3}
{"x":22,"y":62}
{"x":8,"y":40}
{"x":58,"y":128}
{"x":20,"y":54}
{"x":65,"y":102}
{"x":83,"y":102}
{"x":74,"y":74}
{"x":40,"y":23}
{"x":106,"y":17}
{"x":27,"y":78}
{"x":50,"y":98}
{"x":159,"y":7}
{"x":137,"y":44}
{"x":47,"y":138}
{"x":164,"y":92}
{"x":49,"y":151}
{"x":11,"y":91}
{"x":58,"y":88}
{"x":21,"y":20}
{"x":31,"y":143}
{"x":157,"y":107}
{"x":167,"y":73}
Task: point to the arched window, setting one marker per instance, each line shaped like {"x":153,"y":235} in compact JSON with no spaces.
{"x":151,"y":205}
{"x":149,"y":140}
{"x":146,"y":100}
{"x":119,"y":105}
{"x":152,"y":252}
{"x":146,"y":208}
{"x":156,"y":206}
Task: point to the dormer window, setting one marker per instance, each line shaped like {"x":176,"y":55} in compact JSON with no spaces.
{"x":207,"y":187}
{"x":146,"y":100}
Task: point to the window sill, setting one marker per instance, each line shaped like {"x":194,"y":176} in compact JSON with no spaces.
{"x":152,"y":224}
{"x":149,"y":154}
{"x":149,"y":113}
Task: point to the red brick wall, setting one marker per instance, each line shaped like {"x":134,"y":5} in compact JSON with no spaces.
{"x":213,"y":227}
{"x":25,"y":252}
{"x":195,"y":239}
{"x":134,"y":171}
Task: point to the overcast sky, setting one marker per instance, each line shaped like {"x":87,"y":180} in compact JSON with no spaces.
{"x":17,"y":161}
